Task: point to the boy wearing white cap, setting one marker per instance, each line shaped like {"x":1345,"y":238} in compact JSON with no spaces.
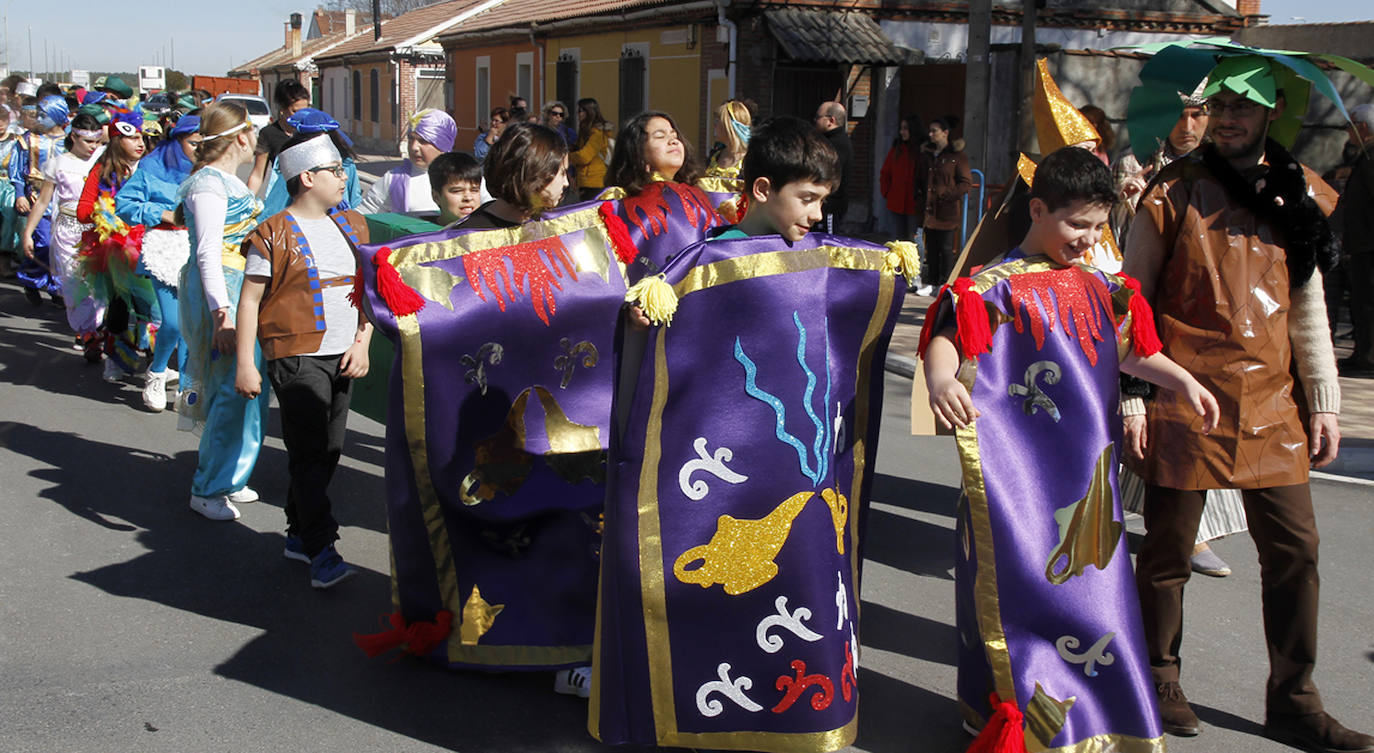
{"x":300,"y":268}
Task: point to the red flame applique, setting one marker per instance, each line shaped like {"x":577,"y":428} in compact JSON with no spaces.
{"x":526,"y":262}
{"x":795,"y":686}
{"x":1079,"y":297}
{"x":847,"y":681}
{"x":650,"y":209}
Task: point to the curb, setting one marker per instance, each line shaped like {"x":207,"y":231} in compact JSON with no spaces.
{"x":1354,"y":465}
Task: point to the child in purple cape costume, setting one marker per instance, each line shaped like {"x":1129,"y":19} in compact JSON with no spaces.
{"x":1024,"y":359}
{"x":728,"y":614}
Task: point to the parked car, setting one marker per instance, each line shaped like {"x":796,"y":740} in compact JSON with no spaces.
{"x":158,"y":103}
{"x":258,"y":111}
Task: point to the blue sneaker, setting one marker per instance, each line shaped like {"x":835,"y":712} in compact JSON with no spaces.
{"x":328,"y":568}
{"x":295,"y":549}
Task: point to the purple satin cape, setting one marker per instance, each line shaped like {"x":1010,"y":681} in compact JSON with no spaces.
{"x":1046,"y":602}
{"x":498,"y":417}
{"x":729,"y":586}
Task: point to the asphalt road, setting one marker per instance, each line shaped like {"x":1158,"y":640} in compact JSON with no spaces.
{"x":129,"y":623}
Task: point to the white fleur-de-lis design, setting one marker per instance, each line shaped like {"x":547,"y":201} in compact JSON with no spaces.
{"x":841,"y":601}
{"x":713,"y":464}
{"x":790,"y":621}
{"x":839,"y":427}
{"x":1035,"y":397}
{"x":1096,"y":654}
{"x":732,"y":689}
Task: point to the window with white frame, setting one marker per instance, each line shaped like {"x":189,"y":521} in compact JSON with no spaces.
{"x":524,"y":78}
{"x":483,"y":104}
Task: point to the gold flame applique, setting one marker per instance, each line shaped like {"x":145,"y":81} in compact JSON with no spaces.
{"x":1045,"y":716}
{"x":478,"y":617}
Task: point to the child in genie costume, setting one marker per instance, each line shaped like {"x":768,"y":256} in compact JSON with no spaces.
{"x":1046,"y":603}
{"x":728,"y":614}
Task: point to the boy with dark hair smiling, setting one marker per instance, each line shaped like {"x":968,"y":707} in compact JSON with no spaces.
{"x":456,"y":181}
{"x":738,"y":473}
{"x":301,"y":266}
{"x":1043,"y":578}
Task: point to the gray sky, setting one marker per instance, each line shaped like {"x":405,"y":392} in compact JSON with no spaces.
{"x":210,"y":38}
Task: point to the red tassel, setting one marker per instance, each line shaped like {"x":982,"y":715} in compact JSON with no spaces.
{"x":355,"y":296}
{"x":971,"y":317}
{"x":1144,"y":337}
{"x":620,"y":235}
{"x":418,"y":638}
{"x":742,"y":207}
{"x":928,"y":327}
{"x":1003,"y":732}
{"x":399,"y":296}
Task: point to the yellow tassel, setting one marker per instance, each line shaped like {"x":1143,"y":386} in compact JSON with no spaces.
{"x":902,"y":258}
{"x":656,"y":297}
{"x":729,"y":209}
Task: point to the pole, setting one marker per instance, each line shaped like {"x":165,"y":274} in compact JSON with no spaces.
{"x":976,"y":82}
{"x":30,"y":52}
{"x":1026,"y":125}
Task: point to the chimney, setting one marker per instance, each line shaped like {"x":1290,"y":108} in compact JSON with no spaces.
{"x":350,"y":22}
{"x":1248,"y":7}
{"x":293,"y":35}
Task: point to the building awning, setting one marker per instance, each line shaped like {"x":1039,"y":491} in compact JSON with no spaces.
{"x":832,"y":37}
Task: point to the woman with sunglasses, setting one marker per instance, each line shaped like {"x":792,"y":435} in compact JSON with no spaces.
{"x":219,"y":212}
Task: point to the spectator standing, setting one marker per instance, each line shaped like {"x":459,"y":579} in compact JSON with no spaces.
{"x":591,"y":154}
{"x":495,"y":125}
{"x":949,"y":179}
{"x":1357,"y":219}
{"x":831,"y":119}
{"x":901,"y":174}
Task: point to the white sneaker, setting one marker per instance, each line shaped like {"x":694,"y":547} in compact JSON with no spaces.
{"x":576,"y":681}
{"x":244,"y":496}
{"x":172,"y":375}
{"x":155,"y":391}
{"x":113,"y":374}
{"x":925,"y":290}
{"x":214,"y":508}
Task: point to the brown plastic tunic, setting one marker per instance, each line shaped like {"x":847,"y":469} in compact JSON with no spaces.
{"x":1221,"y":305}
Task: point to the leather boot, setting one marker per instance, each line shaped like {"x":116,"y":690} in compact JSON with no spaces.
{"x":1317,"y":732}
{"x":1174,"y":711}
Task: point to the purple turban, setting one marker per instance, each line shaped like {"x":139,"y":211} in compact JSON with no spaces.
{"x":436,"y":127}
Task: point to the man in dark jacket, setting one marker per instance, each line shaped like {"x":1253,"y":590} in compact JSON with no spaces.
{"x":830,"y":118}
{"x":1357,"y":220}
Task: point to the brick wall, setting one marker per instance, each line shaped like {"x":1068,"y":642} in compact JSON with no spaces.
{"x":1248,"y":7}
{"x":859,"y":82}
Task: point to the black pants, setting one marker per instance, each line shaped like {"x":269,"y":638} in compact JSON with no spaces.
{"x":314,"y":415}
{"x":1285,"y":533}
{"x":1360,"y":273}
{"x":939,"y":256}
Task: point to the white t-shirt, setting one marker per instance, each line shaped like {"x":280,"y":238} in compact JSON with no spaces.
{"x":67,"y":173}
{"x":333,"y":258}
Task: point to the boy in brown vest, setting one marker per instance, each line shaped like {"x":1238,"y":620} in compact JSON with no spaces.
{"x":300,"y":269}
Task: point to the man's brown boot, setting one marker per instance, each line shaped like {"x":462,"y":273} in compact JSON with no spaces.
{"x":1174,"y":711}
{"x":1317,"y":732}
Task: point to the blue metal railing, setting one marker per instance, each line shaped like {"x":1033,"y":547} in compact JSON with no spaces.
{"x":963,"y":219}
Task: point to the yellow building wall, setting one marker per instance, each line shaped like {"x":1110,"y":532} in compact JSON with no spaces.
{"x":383,"y":129}
{"x":673,"y":73}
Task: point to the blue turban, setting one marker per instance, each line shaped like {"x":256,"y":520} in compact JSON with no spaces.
{"x":186,"y":125}
{"x":93,"y":98}
{"x":436,"y":127}
{"x":310,"y":120}
{"x":52,"y":111}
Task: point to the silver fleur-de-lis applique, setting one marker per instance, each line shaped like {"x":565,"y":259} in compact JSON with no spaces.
{"x":1035,"y":397}
{"x":567,"y":362}
{"x":489,"y":353}
{"x":1096,"y":653}
{"x":791,"y":621}
{"x":728,"y":687}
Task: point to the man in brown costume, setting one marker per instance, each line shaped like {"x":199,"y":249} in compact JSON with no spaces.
{"x":1226,"y":244}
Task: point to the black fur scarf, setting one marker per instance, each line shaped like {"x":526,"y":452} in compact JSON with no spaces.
{"x":1279,"y":196}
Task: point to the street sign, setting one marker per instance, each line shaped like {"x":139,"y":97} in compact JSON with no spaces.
{"x":151,"y":77}
{"x":81,"y":78}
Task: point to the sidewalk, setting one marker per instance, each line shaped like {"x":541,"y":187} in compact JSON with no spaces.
{"x":1355,"y":463}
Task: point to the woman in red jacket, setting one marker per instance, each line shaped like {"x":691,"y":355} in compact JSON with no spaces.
{"x":904,"y":170}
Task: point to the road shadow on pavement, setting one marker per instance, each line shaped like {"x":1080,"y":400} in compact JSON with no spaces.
{"x":907,"y":543}
{"x":898,"y":717}
{"x":1227,"y":720}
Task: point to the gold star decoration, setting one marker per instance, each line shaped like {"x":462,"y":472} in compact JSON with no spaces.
{"x":478,"y":616}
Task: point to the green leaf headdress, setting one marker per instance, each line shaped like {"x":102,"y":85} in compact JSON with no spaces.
{"x":1178,"y":69}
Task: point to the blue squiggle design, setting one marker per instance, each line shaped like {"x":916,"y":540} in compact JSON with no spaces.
{"x":821,"y":446}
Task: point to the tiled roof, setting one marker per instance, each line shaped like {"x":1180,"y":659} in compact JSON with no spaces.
{"x":408,"y":28}
{"x":519,"y":13}
{"x":282,"y":55}
{"x":832,"y":37}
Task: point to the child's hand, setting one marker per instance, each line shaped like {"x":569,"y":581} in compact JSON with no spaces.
{"x":1204,"y":403}
{"x":636,"y":317}
{"x":950,"y":401}
{"x":247,"y":380}
{"x":27,"y":245}
{"x":22,"y":205}
{"x":354,"y":363}
{"x":1136,"y":441}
